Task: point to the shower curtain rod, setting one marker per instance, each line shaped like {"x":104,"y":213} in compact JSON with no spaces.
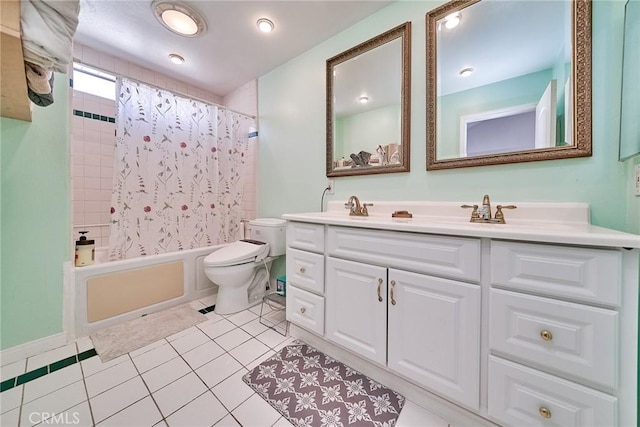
{"x":164,"y":88}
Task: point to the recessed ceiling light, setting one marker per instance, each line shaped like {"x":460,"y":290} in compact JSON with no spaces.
{"x":265,"y":25}
{"x":466,"y":72}
{"x":363,"y":99}
{"x":179,"y":18}
{"x":176,"y":59}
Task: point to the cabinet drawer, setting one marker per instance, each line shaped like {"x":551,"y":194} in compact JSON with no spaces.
{"x":520,"y":396}
{"x":556,"y":336}
{"x":584,"y":274}
{"x":454,"y":257}
{"x":305,"y":309}
{"x":305,"y":270}
{"x":302,"y":235}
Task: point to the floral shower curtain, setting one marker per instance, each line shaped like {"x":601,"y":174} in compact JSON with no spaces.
{"x":179,"y":172}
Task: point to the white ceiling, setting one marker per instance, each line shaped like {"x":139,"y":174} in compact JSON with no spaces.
{"x":233,"y":51}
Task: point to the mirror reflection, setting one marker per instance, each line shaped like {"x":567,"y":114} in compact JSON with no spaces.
{"x":368,"y":108}
{"x":502,"y":82}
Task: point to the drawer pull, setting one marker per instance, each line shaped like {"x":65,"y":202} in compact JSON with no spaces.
{"x":546,"y":335}
{"x":379,"y":286}
{"x":302,"y":310}
{"x":544,"y":412}
{"x":302,"y":270}
{"x":393,"y":301}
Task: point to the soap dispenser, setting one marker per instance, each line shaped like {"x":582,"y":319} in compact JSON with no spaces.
{"x":85,"y":250}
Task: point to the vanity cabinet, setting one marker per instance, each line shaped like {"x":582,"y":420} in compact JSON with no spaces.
{"x":535,"y":329}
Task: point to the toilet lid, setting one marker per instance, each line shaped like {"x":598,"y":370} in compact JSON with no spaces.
{"x":235,"y":253}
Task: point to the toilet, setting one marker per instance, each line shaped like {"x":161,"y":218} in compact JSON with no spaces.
{"x":241,"y":269}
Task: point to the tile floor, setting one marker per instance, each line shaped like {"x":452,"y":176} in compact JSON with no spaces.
{"x":192,"y":378}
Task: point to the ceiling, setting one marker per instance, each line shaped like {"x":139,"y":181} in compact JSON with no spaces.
{"x":233,"y":51}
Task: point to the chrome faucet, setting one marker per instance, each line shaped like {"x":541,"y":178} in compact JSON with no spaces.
{"x":355,"y":209}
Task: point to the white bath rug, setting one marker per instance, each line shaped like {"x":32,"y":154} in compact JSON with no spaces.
{"x":129,"y":336}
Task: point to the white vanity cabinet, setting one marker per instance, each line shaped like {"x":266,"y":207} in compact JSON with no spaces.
{"x":482,"y":324}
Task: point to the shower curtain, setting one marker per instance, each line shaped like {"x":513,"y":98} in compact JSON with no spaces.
{"x":179,"y":172}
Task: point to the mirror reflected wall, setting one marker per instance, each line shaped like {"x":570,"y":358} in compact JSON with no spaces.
{"x":368,"y":106}
{"x":503,"y":79}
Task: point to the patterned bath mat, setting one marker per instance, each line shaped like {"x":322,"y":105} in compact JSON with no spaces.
{"x":310,"y":388}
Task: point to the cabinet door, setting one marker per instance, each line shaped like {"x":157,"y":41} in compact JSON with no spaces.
{"x":434,"y":334}
{"x":356,"y":318}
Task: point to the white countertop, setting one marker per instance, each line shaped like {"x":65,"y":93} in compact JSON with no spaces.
{"x":566,"y":223}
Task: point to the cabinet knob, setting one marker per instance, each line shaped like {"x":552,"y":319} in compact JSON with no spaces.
{"x":546,"y":335}
{"x":302,"y":270}
{"x":544,"y":412}
{"x":302,"y":310}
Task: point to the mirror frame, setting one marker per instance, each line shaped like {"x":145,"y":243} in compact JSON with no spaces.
{"x":581,"y":72}
{"x":402,"y":32}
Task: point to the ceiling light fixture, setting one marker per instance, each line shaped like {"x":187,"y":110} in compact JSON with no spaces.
{"x":265,"y":25}
{"x":363,"y":99}
{"x":466,"y":72}
{"x":176,"y":59}
{"x":450,"y":21}
{"x":179,"y":18}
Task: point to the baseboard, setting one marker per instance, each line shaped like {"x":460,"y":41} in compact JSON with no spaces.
{"x":33,"y":348}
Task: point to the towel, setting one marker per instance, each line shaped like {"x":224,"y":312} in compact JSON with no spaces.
{"x":41,"y":99}
{"x":38,"y":78}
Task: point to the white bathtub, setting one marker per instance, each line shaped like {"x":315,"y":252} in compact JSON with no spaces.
{"x":110,"y":292}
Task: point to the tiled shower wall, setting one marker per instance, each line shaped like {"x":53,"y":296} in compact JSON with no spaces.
{"x":93,"y":141}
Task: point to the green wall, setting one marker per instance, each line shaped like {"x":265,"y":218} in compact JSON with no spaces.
{"x":362,"y":131}
{"x":292,"y":135}
{"x":35,"y":221}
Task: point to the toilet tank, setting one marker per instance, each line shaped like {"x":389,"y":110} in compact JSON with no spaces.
{"x":271,"y":231}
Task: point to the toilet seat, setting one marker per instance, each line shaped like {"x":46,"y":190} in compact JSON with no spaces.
{"x":237,"y":253}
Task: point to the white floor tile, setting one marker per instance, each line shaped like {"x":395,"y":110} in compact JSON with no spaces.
{"x":10,"y":418}
{"x":155,"y":357}
{"x":227,"y":421}
{"x":232,"y":339}
{"x":84,"y":344}
{"x":282,"y":422}
{"x":255,"y":412}
{"x":181,"y":334}
{"x":260,"y":359}
{"x":208,"y":301}
{"x":203,"y":354}
{"x":166,"y":373}
{"x":203,"y":411}
{"x":189,"y":341}
{"x":56,"y":402}
{"x":51,"y":382}
{"x":213,"y":316}
{"x":271,"y":338}
{"x":256,"y":309}
{"x":110,"y":377}
{"x":413,"y":415}
{"x":93,"y":365}
{"x":179,"y":393}
{"x":10,"y":399}
{"x":249,"y":351}
{"x":51,"y":356}
{"x":148,"y":348}
{"x":79,"y":415}
{"x":215,"y":329}
{"x":143,"y":413}
{"x":283,"y":344}
{"x":254,"y":327}
{"x":218,"y":370}
{"x":12,"y":370}
{"x":233,"y":391}
{"x":242,"y":317}
{"x":112,"y":401}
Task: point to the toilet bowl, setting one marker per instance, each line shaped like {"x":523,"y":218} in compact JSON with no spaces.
{"x":241,"y":269}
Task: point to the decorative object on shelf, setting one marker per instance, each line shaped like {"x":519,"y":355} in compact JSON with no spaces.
{"x":402,"y":214}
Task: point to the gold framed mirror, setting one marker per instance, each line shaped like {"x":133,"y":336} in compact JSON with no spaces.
{"x":368,"y":106}
{"x":508,"y":82}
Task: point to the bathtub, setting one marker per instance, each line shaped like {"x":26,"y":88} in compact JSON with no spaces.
{"x":111,"y":292}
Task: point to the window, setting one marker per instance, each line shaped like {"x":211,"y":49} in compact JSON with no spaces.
{"x":94,"y":82}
